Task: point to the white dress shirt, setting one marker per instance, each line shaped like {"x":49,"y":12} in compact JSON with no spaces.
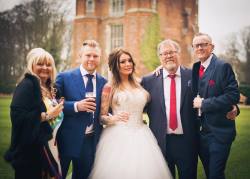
{"x":206,"y":63}
{"x":89,"y":129}
{"x":166,"y":87}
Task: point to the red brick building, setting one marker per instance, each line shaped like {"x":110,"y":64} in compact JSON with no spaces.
{"x":115,"y":23}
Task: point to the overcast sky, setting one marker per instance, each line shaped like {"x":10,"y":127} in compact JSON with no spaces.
{"x":219,"y":18}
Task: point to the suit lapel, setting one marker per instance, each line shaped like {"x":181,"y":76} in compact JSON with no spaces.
{"x":98,"y":88}
{"x":195,"y":77}
{"x":208,"y":74}
{"x":79,"y":83}
{"x":184,"y":85}
{"x":159,"y":83}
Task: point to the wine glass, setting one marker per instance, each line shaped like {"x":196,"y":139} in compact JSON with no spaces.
{"x":91,"y":94}
{"x":199,"y":109}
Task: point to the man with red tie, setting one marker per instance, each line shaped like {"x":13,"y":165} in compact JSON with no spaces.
{"x":172,"y":118}
{"x":214,"y":82}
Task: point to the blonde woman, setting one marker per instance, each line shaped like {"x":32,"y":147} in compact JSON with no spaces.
{"x":35,"y":117}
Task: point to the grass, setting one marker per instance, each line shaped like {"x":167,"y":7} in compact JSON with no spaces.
{"x":237,"y":166}
{"x":239,"y":159}
{"x":5,"y":126}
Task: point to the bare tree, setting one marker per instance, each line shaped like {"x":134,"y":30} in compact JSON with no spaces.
{"x":237,"y":53}
{"x":232,"y":55}
{"x":245,"y":39}
{"x":39,"y":23}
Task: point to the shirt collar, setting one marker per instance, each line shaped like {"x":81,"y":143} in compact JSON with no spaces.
{"x":207,"y":62}
{"x":166,"y":73}
{"x":85,"y":72}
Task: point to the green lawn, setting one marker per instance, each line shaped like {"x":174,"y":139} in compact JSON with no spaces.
{"x":237,"y":167}
{"x":239,"y":159}
{"x":5,"y":169}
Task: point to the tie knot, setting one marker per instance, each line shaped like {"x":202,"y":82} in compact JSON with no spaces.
{"x":172,"y":76}
{"x":201,"y":71}
{"x":202,"y":68}
{"x":90,"y":77}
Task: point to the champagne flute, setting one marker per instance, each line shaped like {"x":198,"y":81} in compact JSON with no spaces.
{"x":199,"y":109}
{"x":91,"y":94}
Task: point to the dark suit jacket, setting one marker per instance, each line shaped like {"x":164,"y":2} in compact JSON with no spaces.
{"x":71,"y":133}
{"x":220,"y":92}
{"x":156,"y":109}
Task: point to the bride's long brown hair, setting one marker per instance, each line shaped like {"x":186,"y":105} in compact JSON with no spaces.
{"x":114,"y":66}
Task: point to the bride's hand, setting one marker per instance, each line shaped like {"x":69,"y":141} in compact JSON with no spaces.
{"x":122,"y":116}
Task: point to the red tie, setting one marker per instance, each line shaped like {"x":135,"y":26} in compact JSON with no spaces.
{"x":173,"y":116}
{"x":201,"y":71}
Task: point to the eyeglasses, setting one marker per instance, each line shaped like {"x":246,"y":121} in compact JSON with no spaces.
{"x":201,"y":45}
{"x":171,"y":53}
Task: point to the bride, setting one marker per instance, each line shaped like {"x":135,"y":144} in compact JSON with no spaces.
{"x":127,"y":148}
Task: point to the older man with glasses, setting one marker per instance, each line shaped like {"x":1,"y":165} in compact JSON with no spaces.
{"x":214,"y":83}
{"x":171,"y":115}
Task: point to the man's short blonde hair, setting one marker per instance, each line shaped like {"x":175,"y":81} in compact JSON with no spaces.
{"x":89,"y":43}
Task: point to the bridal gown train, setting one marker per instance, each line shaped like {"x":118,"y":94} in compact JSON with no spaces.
{"x":129,"y":150}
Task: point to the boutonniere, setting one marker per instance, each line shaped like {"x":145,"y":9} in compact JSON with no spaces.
{"x":211,"y":82}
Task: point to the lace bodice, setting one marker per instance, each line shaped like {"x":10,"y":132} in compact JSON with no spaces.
{"x":131,"y":101}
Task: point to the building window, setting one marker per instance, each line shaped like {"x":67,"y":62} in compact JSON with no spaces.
{"x":117,"y":7}
{"x":116,"y":36}
{"x":185,"y":15}
{"x":90,"y":6}
{"x":154,"y":4}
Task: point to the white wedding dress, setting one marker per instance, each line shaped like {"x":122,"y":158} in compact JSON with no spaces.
{"x":129,"y":150}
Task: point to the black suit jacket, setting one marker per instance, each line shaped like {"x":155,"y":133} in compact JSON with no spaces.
{"x":220,"y":92}
{"x":156,"y":109}
{"x":28,"y":134}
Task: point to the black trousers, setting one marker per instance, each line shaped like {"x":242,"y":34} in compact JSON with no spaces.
{"x":181,"y":153}
{"x":213,"y":154}
{"x":28,"y":172}
{"x":82,"y":165}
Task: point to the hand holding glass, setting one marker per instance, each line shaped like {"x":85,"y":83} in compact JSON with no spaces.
{"x":199,"y":109}
{"x":91,"y":95}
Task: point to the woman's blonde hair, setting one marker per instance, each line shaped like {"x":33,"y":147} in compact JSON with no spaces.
{"x":39,"y":55}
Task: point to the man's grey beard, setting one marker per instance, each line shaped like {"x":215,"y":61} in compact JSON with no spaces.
{"x":171,"y":66}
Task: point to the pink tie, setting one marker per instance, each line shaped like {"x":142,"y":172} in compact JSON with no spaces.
{"x":173,"y":116}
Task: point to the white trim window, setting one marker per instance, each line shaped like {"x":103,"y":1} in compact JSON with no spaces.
{"x":116,"y":7}
{"x":90,"y":6}
{"x":116,"y":36}
{"x":154,"y":5}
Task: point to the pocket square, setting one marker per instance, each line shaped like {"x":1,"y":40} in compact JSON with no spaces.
{"x":211,"y":82}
